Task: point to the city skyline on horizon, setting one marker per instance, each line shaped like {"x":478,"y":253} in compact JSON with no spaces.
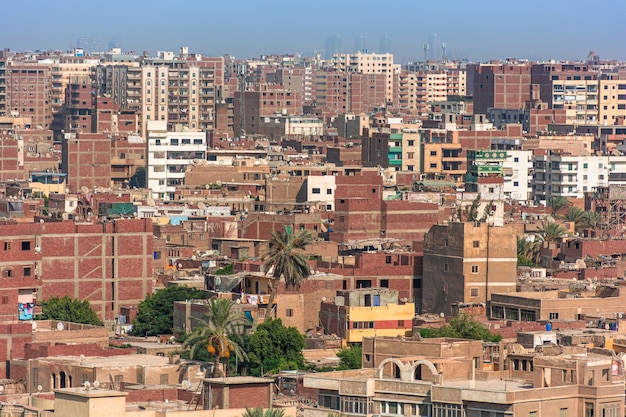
{"x":474,"y":31}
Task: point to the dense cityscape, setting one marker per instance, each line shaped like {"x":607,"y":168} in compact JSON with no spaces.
{"x":325,"y":234}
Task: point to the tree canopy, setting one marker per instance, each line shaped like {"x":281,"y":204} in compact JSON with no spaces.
{"x":138,"y":180}
{"x":273,"y":347}
{"x":286,"y":258}
{"x":259,"y":412}
{"x":155,"y":314}
{"x":351,"y":357}
{"x":68,"y":309}
{"x":462,"y":326}
{"x":221,"y":322}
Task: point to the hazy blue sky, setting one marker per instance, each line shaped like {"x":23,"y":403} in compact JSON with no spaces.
{"x":474,"y":29}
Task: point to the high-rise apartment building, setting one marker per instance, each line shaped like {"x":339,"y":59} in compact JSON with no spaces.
{"x":366,"y":63}
{"x":169,"y":154}
{"x":28,"y":92}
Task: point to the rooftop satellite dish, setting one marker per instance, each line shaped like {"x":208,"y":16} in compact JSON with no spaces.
{"x":84,"y":189}
{"x":201,"y":206}
{"x":60,"y":326}
{"x":82,"y":358}
{"x":186,"y":384}
{"x":86,"y":384}
{"x":34,"y":325}
{"x":39,"y":388}
{"x":96,"y":384}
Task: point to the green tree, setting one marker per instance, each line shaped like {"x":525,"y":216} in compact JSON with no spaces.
{"x":67,"y":309}
{"x":577,"y":216}
{"x":528,"y":251}
{"x":155,"y":314}
{"x":273,"y":347}
{"x":351,"y":357}
{"x":219,"y":325}
{"x":286,"y":258}
{"x":259,"y":412}
{"x":462,"y":326}
{"x":138,"y":180}
{"x":551,"y":232}
{"x":225,"y":270}
{"x":591,"y":220}
{"x":557,"y":203}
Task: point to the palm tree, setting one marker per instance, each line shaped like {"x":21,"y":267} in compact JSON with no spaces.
{"x":557,"y":203}
{"x":220,"y":323}
{"x":551,"y":232}
{"x":259,"y":412}
{"x":576,"y":216}
{"x":591,"y":219}
{"x":286,"y":258}
{"x":528,"y":251}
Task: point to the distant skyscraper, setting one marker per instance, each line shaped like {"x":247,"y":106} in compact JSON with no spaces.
{"x":360,"y":43}
{"x":89,"y":44}
{"x":333,"y":46}
{"x":385,"y":44}
{"x":116,"y":43}
{"x":434,"y":47}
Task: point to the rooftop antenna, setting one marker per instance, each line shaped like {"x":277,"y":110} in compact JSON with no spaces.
{"x":443,"y":51}
{"x":425,"y":54}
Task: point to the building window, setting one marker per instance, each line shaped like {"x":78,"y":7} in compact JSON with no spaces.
{"x":445,"y":242}
{"x":563,"y":412}
{"x":554,"y":316}
{"x":411,"y":142}
{"x":474,"y":269}
{"x":315,"y":190}
{"x":5,"y":299}
{"x":26,"y":245}
{"x":384,"y":283}
{"x":445,"y":267}
{"x":289,"y":312}
{"x":476,"y":244}
{"x":342,"y":219}
{"x":329,"y":191}
{"x":474,"y":292}
{"x":8,"y":273}
{"x":433,"y":153}
{"x":7,"y":245}
{"x":388,"y":259}
{"x":27,"y":271}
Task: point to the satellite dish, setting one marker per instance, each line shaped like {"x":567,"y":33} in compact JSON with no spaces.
{"x":84,"y":189}
{"x":39,"y":388}
{"x":34,"y":325}
{"x":186,"y":384}
{"x":60,"y":326}
{"x":96,"y":384}
{"x":1,"y":388}
{"x":82,"y":358}
{"x":86,"y":384}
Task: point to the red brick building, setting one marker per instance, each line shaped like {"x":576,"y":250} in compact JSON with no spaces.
{"x":87,"y":160}
{"x":28,"y":92}
{"x":109,"y":264}
{"x":504,"y":85}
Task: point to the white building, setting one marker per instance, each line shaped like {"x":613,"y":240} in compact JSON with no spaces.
{"x":571,"y":176}
{"x":518,"y":175}
{"x":169,"y":153}
{"x":320,"y":191}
